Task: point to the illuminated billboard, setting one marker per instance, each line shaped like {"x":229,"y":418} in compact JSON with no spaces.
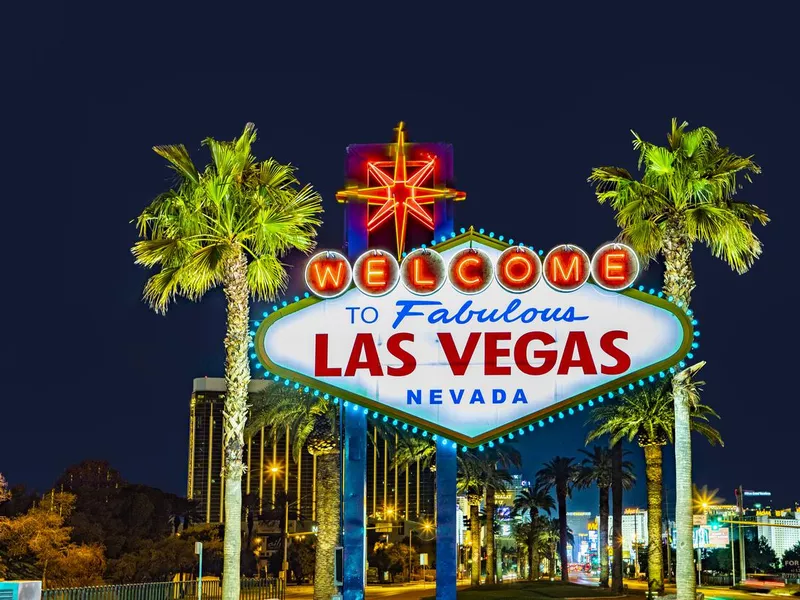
{"x":474,"y":338}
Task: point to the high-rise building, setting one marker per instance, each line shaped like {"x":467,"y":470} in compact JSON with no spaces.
{"x":392,"y":494}
{"x":781,"y":530}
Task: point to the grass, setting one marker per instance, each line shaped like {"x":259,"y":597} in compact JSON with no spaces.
{"x":531,"y":589}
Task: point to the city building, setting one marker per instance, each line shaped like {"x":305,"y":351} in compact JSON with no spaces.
{"x":392,"y":494}
{"x":579,"y":523}
{"x":781,"y":530}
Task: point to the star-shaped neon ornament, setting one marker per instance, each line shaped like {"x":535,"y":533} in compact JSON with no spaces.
{"x":399,"y":194}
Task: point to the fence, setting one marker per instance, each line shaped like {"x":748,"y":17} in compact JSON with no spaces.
{"x":251,"y":589}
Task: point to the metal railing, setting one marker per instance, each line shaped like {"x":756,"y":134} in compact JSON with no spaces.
{"x":251,"y":589}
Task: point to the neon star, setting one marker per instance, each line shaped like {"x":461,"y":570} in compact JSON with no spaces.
{"x":399,"y":195}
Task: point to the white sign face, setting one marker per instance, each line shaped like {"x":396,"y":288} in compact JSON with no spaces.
{"x":472,"y":367}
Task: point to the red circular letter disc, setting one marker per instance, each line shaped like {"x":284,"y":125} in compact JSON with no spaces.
{"x":615,"y":267}
{"x":376,"y":272}
{"x":566,"y":268}
{"x":422,"y":271}
{"x":328,"y":274}
{"x":470,"y":271}
{"x":518,"y":269}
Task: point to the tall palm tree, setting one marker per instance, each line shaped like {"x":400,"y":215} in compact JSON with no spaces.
{"x":560,"y":473}
{"x":649,"y":417}
{"x":596,"y":469}
{"x":227,"y":225}
{"x":531,"y":534}
{"x":312,"y":419}
{"x":686,"y":195}
{"x":494,"y":465}
{"x":527,"y":504}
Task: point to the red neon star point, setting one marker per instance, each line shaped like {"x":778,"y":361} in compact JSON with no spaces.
{"x":399,"y":194}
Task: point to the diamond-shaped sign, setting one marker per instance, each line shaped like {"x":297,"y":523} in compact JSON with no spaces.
{"x":473,"y":367}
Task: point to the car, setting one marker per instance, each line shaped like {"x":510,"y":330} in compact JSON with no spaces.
{"x":763,"y":582}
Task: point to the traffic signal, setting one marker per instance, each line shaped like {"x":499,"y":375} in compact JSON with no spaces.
{"x":467,"y":522}
{"x":715,"y":523}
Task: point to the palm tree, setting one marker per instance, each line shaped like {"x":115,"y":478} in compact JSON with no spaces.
{"x":531,"y":534}
{"x":560,"y":473}
{"x":648,"y":416}
{"x":686,"y":195}
{"x":494,"y":464}
{"x":314,"y":423}
{"x":596,"y":468}
{"x":528,"y":503}
{"x":470,"y":483}
{"x":228,"y":225}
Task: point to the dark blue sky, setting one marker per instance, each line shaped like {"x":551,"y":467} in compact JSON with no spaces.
{"x":531,"y":102}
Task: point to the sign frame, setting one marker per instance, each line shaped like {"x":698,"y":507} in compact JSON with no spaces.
{"x":509,"y":428}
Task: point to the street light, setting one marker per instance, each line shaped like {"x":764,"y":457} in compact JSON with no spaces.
{"x":427,"y":527}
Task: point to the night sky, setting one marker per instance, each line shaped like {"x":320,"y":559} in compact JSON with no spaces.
{"x":530,"y":101}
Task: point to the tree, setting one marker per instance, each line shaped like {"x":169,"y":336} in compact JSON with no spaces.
{"x":530,"y":534}
{"x":560,"y":473}
{"x":596,"y":469}
{"x":301,"y":559}
{"x":686,"y":195}
{"x":38,"y":541}
{"x":227,"y":225}
{"x":5,"y":494}
{"x":648,"y":416}
{"x":617,"y":489}
{"x":790,"y":563}
{"x":494,"y":476}
{"x":470,"y":483}
{"x":315,"y":426}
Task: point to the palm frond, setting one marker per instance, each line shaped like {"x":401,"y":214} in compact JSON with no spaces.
{"x":179,"y":160}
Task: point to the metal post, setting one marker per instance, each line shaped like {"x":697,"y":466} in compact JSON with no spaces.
{"x":198,"y":549}
{"x":733,"y":558}
{"x":354,"y":502}
{"x":446,"y":522}
{"x":699,"y":568}
{"x":410,"y":546}
{"x":742,"y":564}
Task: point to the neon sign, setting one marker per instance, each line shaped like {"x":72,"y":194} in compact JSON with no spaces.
{"x":466,"y":343}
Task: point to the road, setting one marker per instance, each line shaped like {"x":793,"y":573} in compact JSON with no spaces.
{"x":416,"y":591}
{"x":413,"y":591}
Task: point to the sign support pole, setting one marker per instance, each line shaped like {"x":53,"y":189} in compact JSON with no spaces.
{"x":354,"y":526}
{"x":446,"y":466}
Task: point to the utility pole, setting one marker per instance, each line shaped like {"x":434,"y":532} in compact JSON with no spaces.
{"x":742,"y":564}
{"x":668,"y":529}
{"x":733,"y":558}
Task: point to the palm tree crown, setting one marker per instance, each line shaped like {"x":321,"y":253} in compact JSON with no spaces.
{"x":687,"y":190}
{"x":234,"y":206}
{"x":531,"y":500}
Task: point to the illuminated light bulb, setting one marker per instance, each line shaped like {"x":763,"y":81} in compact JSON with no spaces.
{"x":661,"y":374}
{"x":652,"y":291}
{"x":521,"y":431}
{"x":682,"y":364}
{"x":511,"y":241}
{"x":305,"y":294}
{"x":530,"y":427}
{"x":610,"y":395}
{"x":257,"y":323}
{"x":580,"y":406}
{"x":690,"y":356}
{"x":491,"y":234}
{"x":452,"y":234}
{"x":434,"y":437}
{"x":316,"y":392}
{"x":695,"y":345}
{"x":325,"y":396}
{"x":694,"y":321}
{"x":385,"y":418}
{"x":500,"y":238}
{"x":671,"y":298}
{"x":266,"y":314}
{"x":258,"y":365}
{"x":571,"y":411}
{"x":253,"y":355}
{"x":696,"y":334}
{"x":366,"y":411}
{"x":394,"y":422}
{"x":442,"y":238}
{"x":551,"y":420}
{"x":375,"y":415}
{"x":283,"y":303}
{"x":266,"y":374}
{"x":511,"y":436}
{"x":297,"y":298}
{"x":480,"y":448}
{"x":641,"y":382}
{"x":560,"y":415}
{"x":305,"y":389}
{"x":462,"y":230}
{"x":641,"y":288}
{"x":276,"y":378}
{"x":251,"y":345}
{"x":481,"y":230}
{"x":620,"y":391}
{"x":336,"y":401}
{"x":672,"y":369}
{"x":463,"y":448}
{"x":541,"y":423}
{"x":414,"y":430}
{"x":491,"y":444}
{"x":651,"y":379}
{"x":630,"y":386}
{"x":356,"y":407}
{"x":405,"y":426}
{"x":590,"y":403}
{"x":454,"y":445}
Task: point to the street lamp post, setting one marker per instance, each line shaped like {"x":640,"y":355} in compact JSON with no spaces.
{"x":425,"y":527}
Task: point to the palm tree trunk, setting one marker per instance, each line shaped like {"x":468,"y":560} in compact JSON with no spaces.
{"x":616,"y":500}
{"x":679,"y":283}
{"x":602,"y":532}
{"x":684,"y":568}
{"x":562,"y":533}
{"x":490,"y":558}
{"x":653,"y":473}
{"x":328,"y":525}
{"x":475,"y":541}
{"x":237,"y":378}
{"x":531,"y":552}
